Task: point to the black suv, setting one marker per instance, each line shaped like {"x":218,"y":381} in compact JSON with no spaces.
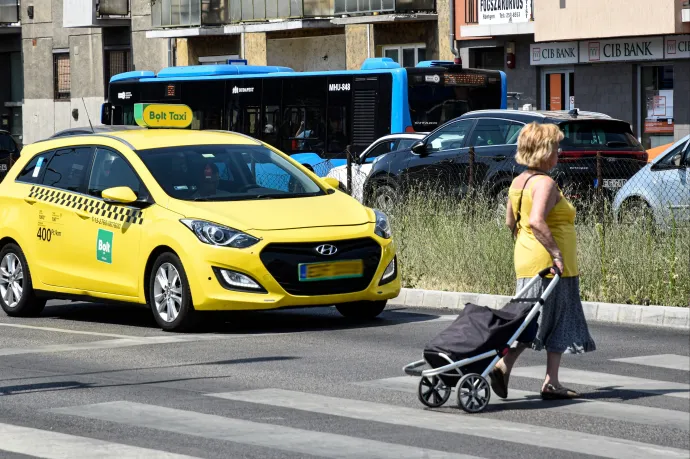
{"x":9,"y":152}
{"x":485,"y":142}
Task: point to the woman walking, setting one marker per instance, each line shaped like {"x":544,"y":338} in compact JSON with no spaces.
{"x":543,"y":221}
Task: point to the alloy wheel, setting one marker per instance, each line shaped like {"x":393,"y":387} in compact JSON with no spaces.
{"x":167,"y":292}
{"x":11,"y":280}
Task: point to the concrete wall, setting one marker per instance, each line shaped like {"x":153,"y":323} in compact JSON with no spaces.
{"x":147,"y":53}
{"x":407,"y":33}
{"x":255,"y":48}
{"x":582,"y":19}
{"x":607,"y":88}
{"x":359,"y":45}
{"x":308,"y":53}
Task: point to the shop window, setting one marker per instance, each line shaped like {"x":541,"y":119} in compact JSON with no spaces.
{"x":61,"y":75}
{"x":657,"y":105}
{"x":406,"y":55}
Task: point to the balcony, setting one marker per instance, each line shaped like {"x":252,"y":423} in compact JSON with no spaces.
{"x":9,"y":11}
{"x":95,"y":13}
{"x":198,"y":13}
{"x":483,"y":22}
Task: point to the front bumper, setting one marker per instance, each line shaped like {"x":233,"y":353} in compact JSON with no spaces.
{"x":202,"y":263}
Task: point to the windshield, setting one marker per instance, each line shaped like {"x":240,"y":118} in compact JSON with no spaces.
{"x":226,"y":173}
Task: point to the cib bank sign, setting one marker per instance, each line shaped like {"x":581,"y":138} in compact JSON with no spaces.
{"x":504,"y":11}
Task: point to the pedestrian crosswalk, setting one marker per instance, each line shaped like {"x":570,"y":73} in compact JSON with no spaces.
{"x":324,"y":439}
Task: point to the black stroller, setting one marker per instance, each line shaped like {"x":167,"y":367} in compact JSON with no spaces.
{"x":463,"y":355}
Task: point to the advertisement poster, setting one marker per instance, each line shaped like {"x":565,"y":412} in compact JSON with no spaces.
{"x":504,"y":11}
{"x":659,"y":119}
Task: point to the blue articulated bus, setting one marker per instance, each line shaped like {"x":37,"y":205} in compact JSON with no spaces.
{"x":312,"y":116}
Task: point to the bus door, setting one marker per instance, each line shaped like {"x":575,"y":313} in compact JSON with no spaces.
{"x":244,"y":106}
{"x":271,"y":96}
{"x":205,"y":98}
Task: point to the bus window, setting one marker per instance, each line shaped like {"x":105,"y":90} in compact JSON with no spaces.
{"x":244,"y":107}
{"x":304,"y":114}
{"x":339,"y":129}
{"x":205,"y":98}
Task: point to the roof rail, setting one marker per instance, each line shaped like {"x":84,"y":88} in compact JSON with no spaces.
{"x":219,"y":69}
{"x":375,"y":63}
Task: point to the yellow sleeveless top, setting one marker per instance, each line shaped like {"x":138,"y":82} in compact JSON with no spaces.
{"x":530,"y":256}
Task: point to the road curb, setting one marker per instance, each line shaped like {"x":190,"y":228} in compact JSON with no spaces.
{"x":622,"y":314}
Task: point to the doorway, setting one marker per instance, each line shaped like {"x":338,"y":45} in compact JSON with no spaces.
{"x":558,"y":89}
{"x":656,"y":100}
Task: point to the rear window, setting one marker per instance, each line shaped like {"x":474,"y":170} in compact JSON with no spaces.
{"x":599,"y":135}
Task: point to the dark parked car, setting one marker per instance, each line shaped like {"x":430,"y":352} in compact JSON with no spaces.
{"x":9,"y":152}
{"x":442,"y":160}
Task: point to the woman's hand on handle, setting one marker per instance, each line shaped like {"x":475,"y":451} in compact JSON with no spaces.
{"x":558,"y":263}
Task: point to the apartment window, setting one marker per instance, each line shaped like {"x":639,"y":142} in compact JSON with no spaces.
{"x":61,"y":75}
{"x":406,"y":55}
{"x":116,"y":60}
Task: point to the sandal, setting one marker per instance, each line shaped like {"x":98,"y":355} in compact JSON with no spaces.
{"x":499,"y":382}
{"x":558,"y":393}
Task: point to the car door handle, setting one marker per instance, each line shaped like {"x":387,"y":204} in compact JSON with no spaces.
{"x":447,"y":161}
{"x":82,"y":213}
{"x":499,"y":158}
{"x":30,"y":200}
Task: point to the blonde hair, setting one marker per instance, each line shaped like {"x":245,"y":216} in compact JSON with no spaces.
{"x":536,"y":142}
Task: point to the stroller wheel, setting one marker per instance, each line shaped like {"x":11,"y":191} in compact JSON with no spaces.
{"x":473,"y":393}
{"x":432,"y":392}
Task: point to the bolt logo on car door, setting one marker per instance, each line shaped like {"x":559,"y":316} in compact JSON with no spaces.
{"x":327,"y":249}
{"x":104,"y":246}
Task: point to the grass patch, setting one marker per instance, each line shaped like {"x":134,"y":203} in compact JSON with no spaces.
{"x":463,"y":245}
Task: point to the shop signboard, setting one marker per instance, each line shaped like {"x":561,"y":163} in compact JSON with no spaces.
{"x":625,"y":49}
{"x":504,"y":11}
{"x":677,"y":46}
{"x":553,"y":53}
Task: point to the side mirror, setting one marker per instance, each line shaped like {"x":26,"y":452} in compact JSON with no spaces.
{"x":419,"y":147}
{"x":105,"y":114}
{"x":119,"y":195}
{"x":332,"y":182}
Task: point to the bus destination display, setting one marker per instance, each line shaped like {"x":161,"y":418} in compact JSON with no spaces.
{"x":464,"y":79}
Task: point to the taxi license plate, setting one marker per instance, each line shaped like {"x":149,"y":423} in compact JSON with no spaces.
{"x":330,"y":271}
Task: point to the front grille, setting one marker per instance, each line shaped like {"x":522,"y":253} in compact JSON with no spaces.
{"x":282,"y":259}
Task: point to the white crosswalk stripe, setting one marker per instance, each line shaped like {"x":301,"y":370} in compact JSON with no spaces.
{"x":608,"y":381}
{"x":521,"y":433}
{"x":54,"y":445}
{"x":251,"y":433}
{"x":607,"y":410}
{"x":671,"y":361}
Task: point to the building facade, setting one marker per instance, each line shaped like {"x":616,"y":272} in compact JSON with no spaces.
{"x":626,"y":58}
{"x":11,"y":74}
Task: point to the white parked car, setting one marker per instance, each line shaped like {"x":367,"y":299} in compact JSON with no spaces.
{"x":361,"y":166}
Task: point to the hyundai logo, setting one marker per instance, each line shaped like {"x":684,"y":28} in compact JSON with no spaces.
{"x":327,"y":249}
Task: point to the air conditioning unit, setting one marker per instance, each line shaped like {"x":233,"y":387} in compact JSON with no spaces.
{"x":685,"y":12}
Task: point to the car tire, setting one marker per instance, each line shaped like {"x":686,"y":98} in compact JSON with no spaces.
{"x":170,"y":297}
{"x":635,"y":210}
{"x":14,"y":274}
{"x":361,"y":310}
{"x":382,"y":196}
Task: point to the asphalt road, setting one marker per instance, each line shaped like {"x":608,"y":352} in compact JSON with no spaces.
{"x":103,"y":381}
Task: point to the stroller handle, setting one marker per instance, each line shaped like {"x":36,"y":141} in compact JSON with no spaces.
{"x":545,"y":272}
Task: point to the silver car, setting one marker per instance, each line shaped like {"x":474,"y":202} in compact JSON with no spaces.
{"x":661,"y":188}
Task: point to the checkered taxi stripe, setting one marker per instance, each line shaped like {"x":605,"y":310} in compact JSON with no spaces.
{"x":92,"y":206}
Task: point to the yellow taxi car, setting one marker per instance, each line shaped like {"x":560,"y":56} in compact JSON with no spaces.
{"x":185,"y":221}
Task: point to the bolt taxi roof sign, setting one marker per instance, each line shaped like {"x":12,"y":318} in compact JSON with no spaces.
{"x":175,"y":116}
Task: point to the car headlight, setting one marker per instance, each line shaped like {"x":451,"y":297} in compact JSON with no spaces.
{"x":383,"y":228}
{"x":211,"y":233}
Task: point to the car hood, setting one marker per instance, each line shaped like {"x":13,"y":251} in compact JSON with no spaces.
{"x":336,"y":209}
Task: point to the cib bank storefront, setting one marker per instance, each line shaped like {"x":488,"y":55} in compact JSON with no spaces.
{"x":643,"y":80}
